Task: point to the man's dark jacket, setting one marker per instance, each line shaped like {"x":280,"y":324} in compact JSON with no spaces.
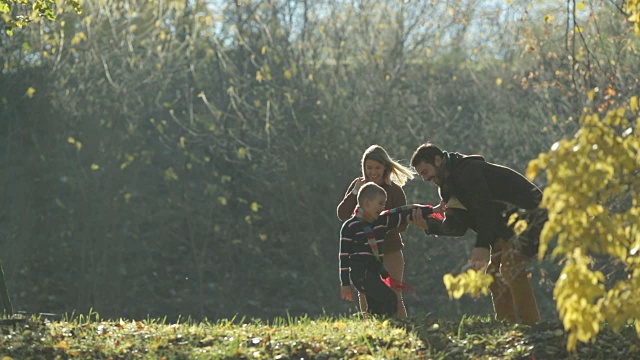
{"x":490,"y":193}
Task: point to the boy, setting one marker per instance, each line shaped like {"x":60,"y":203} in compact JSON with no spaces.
{"x":361,"y":241}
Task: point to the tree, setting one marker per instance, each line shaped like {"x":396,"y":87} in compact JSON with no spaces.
{"x":19,"y":13}
{"x":594,"y":209}
{"x":591,"y":191}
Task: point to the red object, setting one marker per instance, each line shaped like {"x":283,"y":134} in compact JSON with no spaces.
{"x":396,"y":284}
{"x":437,"y":216}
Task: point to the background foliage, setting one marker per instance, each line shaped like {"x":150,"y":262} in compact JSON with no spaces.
{"x":186,"y":158}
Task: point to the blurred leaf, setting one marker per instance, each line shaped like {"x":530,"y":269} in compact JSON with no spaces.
{"x":170,"y":175}
{"x":30,"y":91}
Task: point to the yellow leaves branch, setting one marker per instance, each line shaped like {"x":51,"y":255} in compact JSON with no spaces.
{"x":474,"y":283}
{"x":587,"y":175}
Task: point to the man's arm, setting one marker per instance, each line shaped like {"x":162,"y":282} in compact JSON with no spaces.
{"x":455,"y":223}
{"x":472,"y":182}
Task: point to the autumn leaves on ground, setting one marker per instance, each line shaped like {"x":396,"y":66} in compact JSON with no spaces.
{"x":423,"y":337}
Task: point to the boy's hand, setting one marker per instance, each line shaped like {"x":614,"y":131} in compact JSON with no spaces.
{"x":346,"y":293}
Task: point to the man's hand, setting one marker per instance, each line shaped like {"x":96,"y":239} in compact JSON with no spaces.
{"x":479,"y":258}
{"x":440,"y":208}
{"x":346,"y":293}
{"x":417,"y":220}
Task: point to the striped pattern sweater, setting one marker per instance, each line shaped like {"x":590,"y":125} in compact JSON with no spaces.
{"x":354,"y":246}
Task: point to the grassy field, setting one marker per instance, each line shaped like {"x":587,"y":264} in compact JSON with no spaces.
{"x":425,"y":337}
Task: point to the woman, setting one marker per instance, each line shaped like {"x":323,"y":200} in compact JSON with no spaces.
{"x":379,"y":168}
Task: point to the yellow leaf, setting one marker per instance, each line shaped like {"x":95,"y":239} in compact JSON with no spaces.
{"x":78,"y":38}
{"x":512,"y":219}
{"x":554,"y":118}
{"x":71,"y":140}
{"x":255,"y":206}
{"x":578,"y":29}
{"x":520,"y":227}
{"x":62,"y":345}
{"x":95,"y":167}
{"x":532,"y":169}
{"x":591,"y":94}
{"x":78,"y":145}
{"x":548,"y":18}
{"x":339,"y":325}
{"x":499,"y":81}
{"x":242,"y":152}
{"x":288,"y":74}
{"x":30,"y":91}
{"x":263,"y":237}
{"x":457,"y":293}
{"x":170,"y":174}
{"x":264,"y":50}
{"x":580,"y":6}
{"x":222,"y":200}
{"x":259,"y":76}
{"x":447,"y":279}
{"x":633,"y":103}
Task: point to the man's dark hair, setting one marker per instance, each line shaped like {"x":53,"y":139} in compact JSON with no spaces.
{"x":427,"y":153}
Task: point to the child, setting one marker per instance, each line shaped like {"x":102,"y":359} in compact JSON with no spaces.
{"x":361,"y":242}
{"x":378,"y":167}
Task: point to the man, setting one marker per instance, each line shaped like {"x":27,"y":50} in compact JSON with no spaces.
{"x":487,"y":195}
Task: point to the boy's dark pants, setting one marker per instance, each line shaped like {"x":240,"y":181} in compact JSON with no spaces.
{"x":380,"y":298}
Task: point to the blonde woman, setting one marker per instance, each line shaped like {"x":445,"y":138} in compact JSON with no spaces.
{"x":380,"y":168}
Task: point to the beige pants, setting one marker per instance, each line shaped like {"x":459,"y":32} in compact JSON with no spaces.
{"x":394,"y":263}
{"x":513,"y":298}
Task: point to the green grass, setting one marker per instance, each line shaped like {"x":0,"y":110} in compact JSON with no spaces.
{"x":89,"y":337}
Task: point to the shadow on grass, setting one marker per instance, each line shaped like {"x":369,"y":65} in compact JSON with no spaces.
{"x":485,"y":338}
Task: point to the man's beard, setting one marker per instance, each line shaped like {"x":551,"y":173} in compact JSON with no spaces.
{"x":441,"y":173}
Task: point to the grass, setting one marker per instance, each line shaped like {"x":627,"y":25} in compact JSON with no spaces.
{"x":89,"y":337}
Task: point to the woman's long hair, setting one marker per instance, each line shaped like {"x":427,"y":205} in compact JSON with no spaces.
{"x":393,"y":170}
